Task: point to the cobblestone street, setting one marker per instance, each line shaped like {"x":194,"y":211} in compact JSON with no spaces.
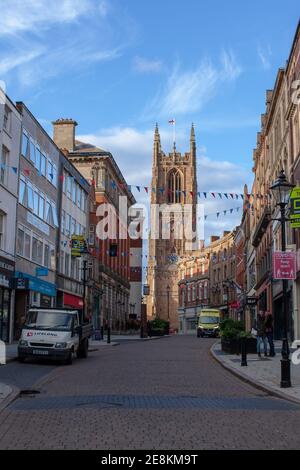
{"x":166,"y":394}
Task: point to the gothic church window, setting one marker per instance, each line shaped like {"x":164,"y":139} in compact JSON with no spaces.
{"x":174,"y":187}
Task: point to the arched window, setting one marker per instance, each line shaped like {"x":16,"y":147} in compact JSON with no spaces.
{"x":174,"y":187}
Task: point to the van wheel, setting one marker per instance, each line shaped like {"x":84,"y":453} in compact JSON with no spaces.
{"x":69,"y":359}
{"x":198,"y":334}
{"x":21,"y":360}
{"x":82,"y":352}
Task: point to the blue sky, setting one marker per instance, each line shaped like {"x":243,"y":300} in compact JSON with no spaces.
{"x":118,"y":66}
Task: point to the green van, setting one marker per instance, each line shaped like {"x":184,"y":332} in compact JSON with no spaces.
{"x":208,"y":323}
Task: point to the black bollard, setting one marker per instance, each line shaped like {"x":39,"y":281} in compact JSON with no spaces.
{"x":244,"y":352}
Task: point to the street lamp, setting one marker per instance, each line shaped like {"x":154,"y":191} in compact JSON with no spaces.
{"x":227,"y":285}
{"x":281,"y":190}
{"x":168,"y":294}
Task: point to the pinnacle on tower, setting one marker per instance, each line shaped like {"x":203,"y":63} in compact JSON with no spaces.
{"x":156,"y":135}
{"x":193,"y":138}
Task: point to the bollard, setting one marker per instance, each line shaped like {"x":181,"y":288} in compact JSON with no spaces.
{"x":244,"y":352}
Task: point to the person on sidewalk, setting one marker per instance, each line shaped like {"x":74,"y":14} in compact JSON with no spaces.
{"x":269,"y":328}
{"x":261,"y":334}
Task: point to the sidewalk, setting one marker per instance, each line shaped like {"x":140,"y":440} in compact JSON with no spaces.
{"x":264,"y":373}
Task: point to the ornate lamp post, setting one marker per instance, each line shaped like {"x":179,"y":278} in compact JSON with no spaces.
{"x":281,"y":190}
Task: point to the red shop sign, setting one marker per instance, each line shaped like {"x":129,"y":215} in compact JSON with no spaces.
{"x":284,"y":265}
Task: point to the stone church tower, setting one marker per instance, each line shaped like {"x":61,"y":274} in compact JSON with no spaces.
{"x":174,"y":184}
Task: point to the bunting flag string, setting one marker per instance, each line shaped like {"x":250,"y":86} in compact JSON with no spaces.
{"x":114,"y":185}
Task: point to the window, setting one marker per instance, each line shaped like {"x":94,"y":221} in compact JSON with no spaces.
{"x":35,"y":298}
{"x":7,"y":119}
{"x":69,"y":186}
{"x":78,"y":229}
{"x":48,"y":212}
{"x":37,"y":250}
{"x":62,"y":261}
{"x":20,"y":242}
{"x":67,"y":264}
{"x":25,"y":145}
{"x":30,"y":197}
{"x":41,"y":207}
{"x":65,"y":182}
{"x":83,"y":201}
{"x":27,"y":245}
{"x":52,"y":258}
{"x":79,"y":192}
{"x":38,"y":159}
{"x":174,"y":187}
{"x":73,"y":227}
{"x":54,"y":214}
{"x":4,"y":165}
{"x":32,"y":151}
{"x":54,"y":179}
{"x":2,"y":227}
{"x":22,"y":189}
{"x":50,"y":175}
{"x":63,"y":221}
{"x":36,"y":203}
{"x":43,"y":164}
{"x":68,"y":225}
{"x":47,"y":256}
{"x":74,"y":192}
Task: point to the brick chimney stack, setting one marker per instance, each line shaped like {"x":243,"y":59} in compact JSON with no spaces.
{"x":64,"y":134}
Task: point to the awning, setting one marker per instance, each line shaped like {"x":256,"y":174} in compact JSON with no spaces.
{"x":73,"y":301}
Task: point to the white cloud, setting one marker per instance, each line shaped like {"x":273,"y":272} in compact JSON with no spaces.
{"x":13,"y":61}
{"x":188,"y":91}
{"x":42,"y":39}
{"x":143,"y":65}
{"x":265,"y":56}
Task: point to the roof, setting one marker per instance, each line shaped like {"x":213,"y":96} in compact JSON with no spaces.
{"x":81,"y":147}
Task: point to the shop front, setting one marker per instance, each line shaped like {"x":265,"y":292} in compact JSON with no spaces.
{"x":30,"y":292}
{"x":6,"y":308}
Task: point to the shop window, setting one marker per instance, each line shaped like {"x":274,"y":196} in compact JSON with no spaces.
{"x":35,"y":299}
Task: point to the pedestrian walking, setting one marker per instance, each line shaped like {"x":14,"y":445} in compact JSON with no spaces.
{"x":261,"y":337}
{"x":269,"y":328}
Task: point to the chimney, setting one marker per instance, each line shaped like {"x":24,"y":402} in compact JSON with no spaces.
{"x":214,"y":238}
{"x":226,"y":233}
{"x":64,"y":134}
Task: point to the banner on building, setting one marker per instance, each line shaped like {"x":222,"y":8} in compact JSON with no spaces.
{"x":295,"y":208}
{"x":78,"y":246}
{"x":284,"y":266}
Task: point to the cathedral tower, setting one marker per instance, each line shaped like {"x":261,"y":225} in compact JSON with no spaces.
{"x":174,"y":185}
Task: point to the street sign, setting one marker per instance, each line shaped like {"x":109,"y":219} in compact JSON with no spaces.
{"x":284,"y":265}
{"x":295,"y":208}
{"x":41,"y":272}
{"x":251,"y":301}
{"x":78,"y":246}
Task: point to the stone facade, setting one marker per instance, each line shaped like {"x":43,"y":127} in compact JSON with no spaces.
{"x":100,"y":168}
{"x":10,"y":137}
{"x":174,"y":185}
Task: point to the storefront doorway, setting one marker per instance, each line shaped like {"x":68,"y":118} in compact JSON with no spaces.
{"x":5,"y":298}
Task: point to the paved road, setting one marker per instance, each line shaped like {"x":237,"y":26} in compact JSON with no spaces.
{"x":164,"y":394}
